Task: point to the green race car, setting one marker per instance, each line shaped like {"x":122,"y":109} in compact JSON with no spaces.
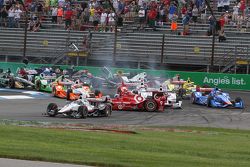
{"x":44,"y":83}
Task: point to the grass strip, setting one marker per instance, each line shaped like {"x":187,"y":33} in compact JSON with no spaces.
{"x":147,"y":147}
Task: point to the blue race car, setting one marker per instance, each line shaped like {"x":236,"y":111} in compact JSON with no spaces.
{"x":214,"y":97}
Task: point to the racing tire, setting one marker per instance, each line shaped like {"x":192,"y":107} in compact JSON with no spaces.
{"x":38,"y":85}
{"x":82,"y":112}
{"x":68,"y":94}
{"x":54,"y":91}
{"x":209,"y":98}
{"x":52,"y":109}
{"x":107,"y":111}
{"x":11,"y":83}
{"x":150,"y":105}
{"x":181,"y":93}
{"x":238,"y":99}
{"x":193,"y":99}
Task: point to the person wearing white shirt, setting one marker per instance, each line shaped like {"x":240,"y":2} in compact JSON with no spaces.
{"x":54,"y":14}
{"x":11,"y":15}
{"x":103,"y":20}
{"x":235,"y":12}
{"x":17,"y":16}
{"x":141,"y":14}
{"x":220,"y":5}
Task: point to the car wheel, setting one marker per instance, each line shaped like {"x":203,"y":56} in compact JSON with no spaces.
{"x":107,"y":111}
{"x":238,"y":99}
{"x":38,"y":85}
{"x":52,"y":109}
{"x":12,"y":83}
{"x":150,"y":105}
{"x":68,"y":94}
{"x":181,"y":92}
{"x":209,"y":99}
{"x":193,"y":99}
{"x":54,"y":91}
{"x":82,"y":112}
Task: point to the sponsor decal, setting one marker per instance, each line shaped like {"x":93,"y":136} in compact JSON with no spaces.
{"x":226,"y":80}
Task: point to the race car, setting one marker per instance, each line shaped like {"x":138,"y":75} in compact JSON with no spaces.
{"x":171,"y":99}
{"x":44,"y":82}
{"x":4,"y":77}
{"x":214,"y":97}
{"x":82,"y":108}
{"x":60,"y":86}
{"x":183,"y":88}
{"x":128,"y":100}
{"x":72,"y":90}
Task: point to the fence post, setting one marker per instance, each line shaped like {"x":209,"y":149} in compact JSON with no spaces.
{"x":162,"y":47}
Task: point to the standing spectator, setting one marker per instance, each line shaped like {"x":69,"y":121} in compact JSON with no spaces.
{"x":220,"y":5}
{"x":212,"y":23}
{"x":195,"y":14}
{"x":96,"y":19}
{"x":235,"y":12}
{"x":47,"y":6}
{"x":226,"y":4}
{"x":17,"y":16}
{"x":242,"y":8}
{"x":174,"y":25}
{"x":3,"y":16}
{"x":53,"y":3}
{"x":185,"y":22}
{"x":1,"y":4}
{"x":152,"y":17}
{"x":40,"y":9}
{"x":111,"y":19}
{"x":183,"y":11}
{"x":221,"y":24}
{"x":247,"y":17}
{"x":68,"y":17}
{"x":11,"y":15}
{"x":91,"y":14}
{"x":239,"y":22}
{"x":103,"y":20}
{"x":172,"y":10}
{"x":141,"y":14}
{"x":204,"y":14}
{"x":59,"y":15}
{"x":54,"y":14}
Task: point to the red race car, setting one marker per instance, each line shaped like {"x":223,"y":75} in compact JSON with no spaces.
{"x":128,"y":100}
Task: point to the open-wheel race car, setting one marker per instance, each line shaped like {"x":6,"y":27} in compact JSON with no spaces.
{"x":132,"y":100}
{"x":183,"y":88}
{"x":171,"y":98}
{"x":4,"y":77}
{"x":44,"y":82}
{"x":73,"y":90}
{"x":82,"y":108}
{"x":214,"y":97}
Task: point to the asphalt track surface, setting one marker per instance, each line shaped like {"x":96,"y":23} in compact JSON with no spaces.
{"x":4,"y":162}
{"x":26,"y":105}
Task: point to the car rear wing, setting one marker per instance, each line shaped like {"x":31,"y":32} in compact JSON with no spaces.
{"x":177,"y":82}
{"x":199,"y":89}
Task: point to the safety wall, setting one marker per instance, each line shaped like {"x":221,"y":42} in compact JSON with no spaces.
{"x":221,"y":80}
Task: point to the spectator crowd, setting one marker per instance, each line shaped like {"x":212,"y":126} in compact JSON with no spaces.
{"x":101,"y":15}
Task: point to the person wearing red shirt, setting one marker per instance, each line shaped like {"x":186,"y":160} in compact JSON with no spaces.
{"x":151,"y":17}
{"x":68,"y":16}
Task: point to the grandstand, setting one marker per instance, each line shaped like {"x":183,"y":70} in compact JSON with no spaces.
{"x":150,"y":47}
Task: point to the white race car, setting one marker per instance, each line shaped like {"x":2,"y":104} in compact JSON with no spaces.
{"x":82,"y":108}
